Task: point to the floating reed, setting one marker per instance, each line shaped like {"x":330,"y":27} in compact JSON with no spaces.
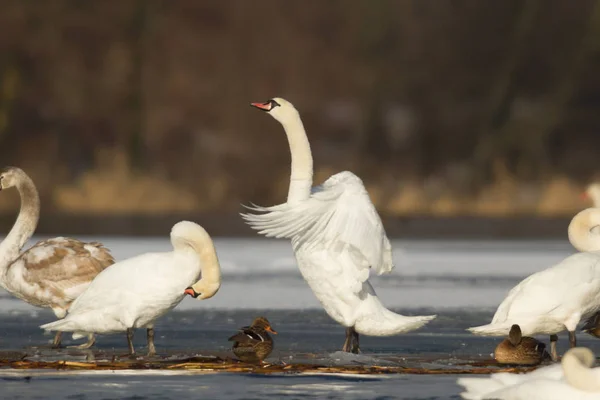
{"x":233,"y":366}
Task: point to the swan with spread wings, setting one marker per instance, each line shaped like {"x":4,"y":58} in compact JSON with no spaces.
{"x":337,"y":237}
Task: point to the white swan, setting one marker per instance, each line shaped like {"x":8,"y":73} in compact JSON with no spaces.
{"x":337,"y":237}
{"x":559,"y":297}
{"x":592,"y":325}
{"x":592,"y":192}
{"x":52,"y":273}
{"x":133,"y":293}
{"x":573,"y":379}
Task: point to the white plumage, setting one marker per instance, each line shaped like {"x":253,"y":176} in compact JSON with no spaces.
{"x":133,"y":293}
{"x":559,"y":297}
{"x":337,"y":237}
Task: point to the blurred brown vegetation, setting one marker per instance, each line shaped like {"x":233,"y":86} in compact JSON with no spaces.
{"x":447,"y":107}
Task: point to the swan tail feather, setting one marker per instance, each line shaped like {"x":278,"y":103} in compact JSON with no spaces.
{"x":388,"y":323}
{"x":62,"y":325}
{"x":500,"y":329}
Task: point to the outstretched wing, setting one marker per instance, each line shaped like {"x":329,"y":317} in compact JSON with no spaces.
{"x":63,"y":266}
{"x":338,"y":216}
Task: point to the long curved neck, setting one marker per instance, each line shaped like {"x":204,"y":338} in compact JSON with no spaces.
{"x":24,"y":226}
{"x":204,"y":247}
{"x":584,"y":230}
{"x":576,"y":368}
{"x":594,"y":194}
{"x":302,"y":162}
{"x":211,"y":269}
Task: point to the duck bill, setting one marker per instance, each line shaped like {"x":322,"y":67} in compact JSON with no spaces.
{"x":269,"y":329}
{"x":262,"y":106}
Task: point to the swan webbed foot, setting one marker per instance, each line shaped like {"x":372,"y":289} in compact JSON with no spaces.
{"x":572,"y":339}
{"x":91,"y":341}
{"x":130,"y":341}
{"x":150,"y":339}
{"x":553,"y":353}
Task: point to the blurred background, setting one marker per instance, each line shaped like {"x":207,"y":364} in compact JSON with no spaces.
{"x":457,"y":114}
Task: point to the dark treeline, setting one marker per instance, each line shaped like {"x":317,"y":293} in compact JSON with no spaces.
{"x":443,"y":107}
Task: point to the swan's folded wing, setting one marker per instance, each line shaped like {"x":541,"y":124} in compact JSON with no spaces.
{"x":572,"y":282}
{"x":64,"y":266}
{"x":339,"y":215}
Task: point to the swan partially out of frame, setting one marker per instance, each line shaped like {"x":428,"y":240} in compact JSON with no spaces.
{"x":592,"y":324}
{"x":572,"y":379}
{"x":337,"y":237}
{"x":52,"y":273}
{"x":557,"y":298}
{"x":134,"y":293}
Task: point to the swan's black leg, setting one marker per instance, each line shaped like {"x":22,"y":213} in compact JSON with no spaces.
{"x":348,"y":342}
{"x":572,"y":339}
{"x":553,"y":353}
{"x":57,"y":340}
{"x":150,"y":338}
{"x":130,"y":341}
{"x":356,"y":342}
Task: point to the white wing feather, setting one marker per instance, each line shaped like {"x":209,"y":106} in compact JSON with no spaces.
{"x":338,"y":215}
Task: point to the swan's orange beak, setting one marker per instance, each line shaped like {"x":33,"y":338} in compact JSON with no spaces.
{"x":269,"y":329}
{"x":263,"y":106}
{"x":584,"y":196}
{"x":191,"y":292}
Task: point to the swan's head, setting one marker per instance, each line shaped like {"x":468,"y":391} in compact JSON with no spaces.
{"x":10,"y":177}
{"x":576,"y":364}
{"x":278,"y":108}
{"x":592,"y":193}
{"x":203,"y":289}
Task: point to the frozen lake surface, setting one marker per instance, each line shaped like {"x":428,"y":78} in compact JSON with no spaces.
{"x":462,"y":282}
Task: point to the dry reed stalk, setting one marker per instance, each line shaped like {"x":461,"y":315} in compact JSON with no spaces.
{"x":238,"y":367}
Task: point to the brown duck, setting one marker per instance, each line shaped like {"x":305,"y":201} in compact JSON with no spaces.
{"x":518,"y":349}
{"x":253,"y":343}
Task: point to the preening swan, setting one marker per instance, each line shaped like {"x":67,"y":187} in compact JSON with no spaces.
{"x":573,"y":379}
{"x":559,"y":297}
{"x":134,"y":293}
{"x":337,"y":237}
{"x":52,"y":273}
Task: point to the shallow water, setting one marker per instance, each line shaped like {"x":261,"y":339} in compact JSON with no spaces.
{"x":462,"y":282}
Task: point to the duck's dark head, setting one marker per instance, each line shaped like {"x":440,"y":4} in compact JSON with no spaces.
{"x":263,"y":324}
{"x":515,"y":335}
